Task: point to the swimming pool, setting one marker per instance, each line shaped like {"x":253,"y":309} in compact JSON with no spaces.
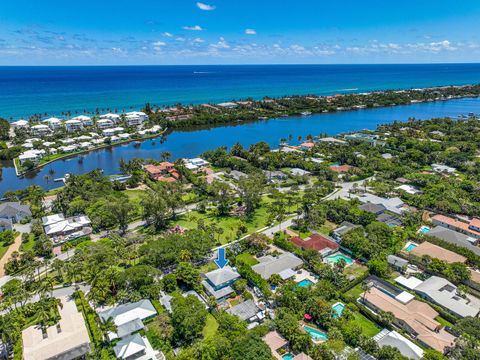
{"x":338,"y":308}
{"x":316,"y":334}
{"x":339,"y":256}
{"x":305,"y":283}
{"x":410,"y":247}
{"x":424,"y":229}
{"x":288,"y":356}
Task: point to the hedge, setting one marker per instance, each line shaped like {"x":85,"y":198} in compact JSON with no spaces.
{"x":90,"y":317}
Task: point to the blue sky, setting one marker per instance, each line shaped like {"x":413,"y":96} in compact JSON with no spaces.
{"x":72,"y":32}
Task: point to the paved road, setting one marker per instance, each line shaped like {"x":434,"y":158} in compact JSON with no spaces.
{"x":346,"y":187}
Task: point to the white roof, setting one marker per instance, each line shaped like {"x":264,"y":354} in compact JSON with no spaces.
{"x":40,"y":126}
{"x":52,"y":120}
{"x":20,"y":123}
{"x":404,"y":297}
{"x":52,"y":219}
{"x":129,"y":346}
{"x":73,"y":121}
{"x":82,"y":118}
{"x":125,"y":313}
{"x":406,"y":347}
{"x":410,"y":189}
{"x":104,"y":121}
{"x":410,"y":283}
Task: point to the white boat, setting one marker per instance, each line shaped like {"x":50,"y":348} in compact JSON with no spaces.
{"x":306,"y":113}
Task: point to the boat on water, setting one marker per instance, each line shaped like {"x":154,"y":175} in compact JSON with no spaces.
{"x":306,"y":113}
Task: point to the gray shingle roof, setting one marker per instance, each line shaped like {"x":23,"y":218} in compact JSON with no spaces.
{"x":139,"y":310}
{"x":269,"y":265}
{"x":396,"y":261}
{"x":453,"y":237}
{"x":221,"y":276}
{"x":373,"y":208}
{"x":217,"y":294}
{"x":244,"y":310}
{"x":10,"y":209}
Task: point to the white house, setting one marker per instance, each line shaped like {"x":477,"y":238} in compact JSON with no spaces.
{"x":40,"y":129}
{"x":112,"y":131}
{"x":73,"y":125}
{"x":53,"y":123}
{"x":104,"y":124}
{"x":86,"y":120}
{"x":32,"y":155}
{"x":135,"y":118}
{"x":68,"y":148}
{"x":20,"y":124}
{"x":443,"y":169}
{"x":112,"y":117}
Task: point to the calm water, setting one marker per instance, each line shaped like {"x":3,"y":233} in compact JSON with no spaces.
{"x":52,"y":90}
{"x":193,"y":143}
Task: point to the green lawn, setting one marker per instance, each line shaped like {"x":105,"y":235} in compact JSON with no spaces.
{"x":355,"y":292}
{"x":247,"y":259}
{"x":369,"y":328}
{"x":326,"y":228}
{"x":443,"y":321}
{"x":229,"y":224}
{"x":3,"y":249}
{"x":356,"y":270}
{"x":210,"y":328}
{"x":26,"y":246}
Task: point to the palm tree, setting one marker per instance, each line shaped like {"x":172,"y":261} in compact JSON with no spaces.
{"x":108,"y":326}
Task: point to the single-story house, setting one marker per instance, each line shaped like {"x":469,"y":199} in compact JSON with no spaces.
{"x":376,"y":209}
{"x":195,"y":163}
{"x":443,"y":169}
{"x":247,"y":311}
{"x":299,"y":172}
{"x":283,"y":265}
{"x":236,"y":175}
{"x":14,"y":211}
{"x":136,"y":347}
{"x":455,"y":237}
{"x":68,"y":339}
{"x":442,"y":292}
{"x":437,"y":252}
{"x":397,"y":262}
{"x":394,"y":205}
{"x":409,"y":189}
{"x":344,"y":228}
{"x":390,"y":220}
{"x":218,"y":283}
{"x":406,"y":347}
{"x":276,"y":343}
{"x":321,"y":243}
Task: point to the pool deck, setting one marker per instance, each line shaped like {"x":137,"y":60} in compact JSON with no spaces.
{"x":304,"y":275}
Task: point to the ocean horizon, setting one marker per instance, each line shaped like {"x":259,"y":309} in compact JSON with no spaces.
{"x":56,"y":90}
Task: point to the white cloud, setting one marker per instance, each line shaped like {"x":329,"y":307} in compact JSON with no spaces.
{"x":198,"y":40}
{"x":167,"y":34}
{"x":250,"y":32}
{"x":193,"y":28}
{"x":157,"y":45}
{"x":205,"y":7}
{"x":221,"y":44}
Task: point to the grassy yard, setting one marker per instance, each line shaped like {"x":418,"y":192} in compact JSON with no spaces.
{"x":326,"y":228}
{"x":3,"y":249}
{"x":26,"y":246}
{"x":210,"y":328}
{"x":443,"y":321}
{"x":369,"y":328}
{"x":356,"y":270}
{"x":355,"y":292}
{"x":247,"y":259}
{"x":229,"y":224}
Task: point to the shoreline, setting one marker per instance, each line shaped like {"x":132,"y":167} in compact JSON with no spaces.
{"x":86,"y":151}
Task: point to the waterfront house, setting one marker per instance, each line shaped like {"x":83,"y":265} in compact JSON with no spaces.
{"x":442,"y":292}
{"x":195,"y":163}
{"x":228,"y":105}
{"x":307,"y":145}
{"x":218,"y":282}
{"x":332,"y":141}
{"x":68,"y":148}
{"x":468,"y":227}
{"x":31,"y":155}
{"x":40,"y":129}
{"x":104,"y":124}
{"x":112,"y":131}
{"x":161,"y":172}
{"x":86,"y":120}
{"x":73,"y":125}
{"x":406,"y":347}
{"x":135,"y":118}
{"x":68,"y":339}
{"x":284,"y":265}
{"x":455,"y":238}
{"x":115,"y":118}
{"x":368,"y":138}
{"x":20,"y":124}
{"x":437,"y":252}
{"x":321,"y":243}
{"x":14,"y":211}
{"x":415,"y":317}
{"x":53,"y":123}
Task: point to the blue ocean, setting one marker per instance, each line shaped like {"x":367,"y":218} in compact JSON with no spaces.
{"x":25,"y":91}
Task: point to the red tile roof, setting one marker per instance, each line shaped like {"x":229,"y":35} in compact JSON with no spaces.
{"x":315,"y":242}
{"x":460,"y":225}
{"x":341,"y":168}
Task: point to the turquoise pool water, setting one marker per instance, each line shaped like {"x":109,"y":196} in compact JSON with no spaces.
{"x":338,"y":308}
{"x":305,"y":283}
{"x":410,"y":247}
{"x":316,"y":334}
{"x":288,"y":356}
{"x":339,"y":256}
{"x":424,"y":230}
